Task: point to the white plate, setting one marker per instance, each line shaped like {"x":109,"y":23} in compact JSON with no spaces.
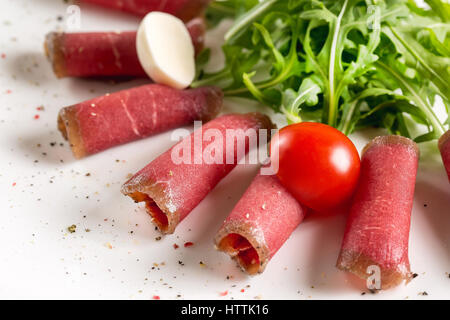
{"x":39,"y":200}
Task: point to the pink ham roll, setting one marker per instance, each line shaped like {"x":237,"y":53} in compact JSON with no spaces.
{"x":377,"y":230}
{"x":171,"y":189}
{"x":184,"y":9}
{"x":444,"y":147}
{"x":260,"y":224}
{"x":103,"y":54}
{"x":113,"y":119}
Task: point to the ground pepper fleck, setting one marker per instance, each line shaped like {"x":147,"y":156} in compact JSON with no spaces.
{"x":72,"y":228}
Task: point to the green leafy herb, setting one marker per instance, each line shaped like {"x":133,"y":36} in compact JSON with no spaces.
{"x":348,"y":63}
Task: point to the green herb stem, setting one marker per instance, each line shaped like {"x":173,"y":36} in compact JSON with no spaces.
{"x":332,"y":111}
{"x":348,"y":118}
{"x":248,"y":18}
{"x":219,"y":7}
{"x":211,"y":80}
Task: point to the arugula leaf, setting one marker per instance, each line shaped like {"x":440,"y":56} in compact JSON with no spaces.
{"x":308,"y":95}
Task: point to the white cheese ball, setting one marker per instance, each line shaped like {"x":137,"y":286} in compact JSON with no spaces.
{"x":165,"y":50}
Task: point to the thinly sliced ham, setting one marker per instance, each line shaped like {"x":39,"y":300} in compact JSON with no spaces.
{"x":171,"y":189}
{"x":377,"y":230}
{"x":113,"y":119}
{"x":103,"y":54}
{"x":444,"y":147}
{"x":260,"y":224}
{"x":184,"y":9}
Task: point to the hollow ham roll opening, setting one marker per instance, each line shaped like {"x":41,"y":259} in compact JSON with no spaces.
{"x":238,"y":247}
{"x":244,"y":243}
{"x":159,"y":217}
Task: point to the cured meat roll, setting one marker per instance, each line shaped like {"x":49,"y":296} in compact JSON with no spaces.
{"x":171,"y":189}
{"x":377,"y":230}
{"x":260,"y":224}
{"x":184,"y":9}
{"x":444,"y":147}
{"x":128,"y":115}
{"x":97,"y":54}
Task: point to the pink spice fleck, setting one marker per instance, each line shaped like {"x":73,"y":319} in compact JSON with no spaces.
{"x":223,"y":294}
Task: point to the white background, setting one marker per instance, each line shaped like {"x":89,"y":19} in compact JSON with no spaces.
{"x":40,"y":259}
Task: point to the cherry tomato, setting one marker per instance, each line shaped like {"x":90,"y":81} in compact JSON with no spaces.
{"x":317,"y":163}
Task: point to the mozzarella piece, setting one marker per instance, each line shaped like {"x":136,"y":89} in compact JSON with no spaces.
{"x":165,"y":50}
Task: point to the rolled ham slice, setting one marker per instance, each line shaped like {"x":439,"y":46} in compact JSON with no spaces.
{"x":444,"y":147}
{"x":184,"y":9}
{"x":113,"y":119}
{"x":260,"y":224}
{"x":377,"y":230}
{"x":172,"y":189}
{"x":104,"y":54}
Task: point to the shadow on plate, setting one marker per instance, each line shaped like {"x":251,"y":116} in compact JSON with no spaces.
{"x":436,"y":202}
{"x":201,"y":226}
{"x":326,"y":233}
{"x":31,"y":68}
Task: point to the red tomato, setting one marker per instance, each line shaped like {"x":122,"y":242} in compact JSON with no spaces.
{"x":318,"y":164}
